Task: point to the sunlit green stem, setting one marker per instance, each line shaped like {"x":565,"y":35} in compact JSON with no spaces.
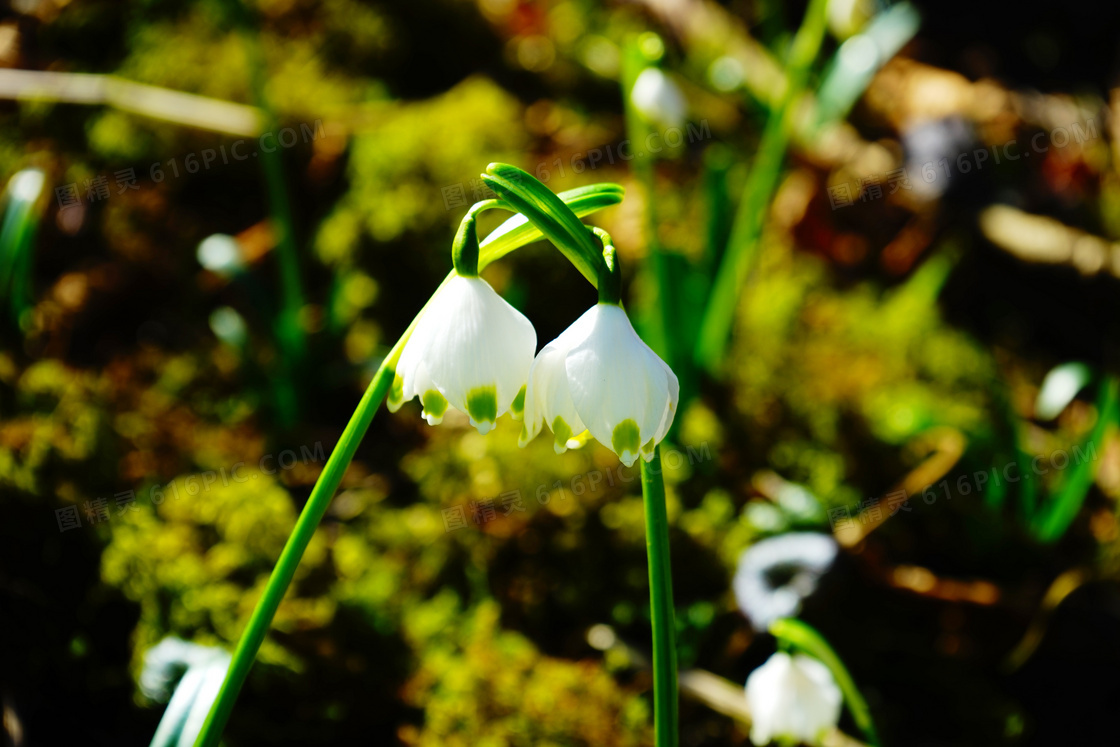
{"x":285,"y":569}
{"x":803,"y":637}
{"x":660,"y":603}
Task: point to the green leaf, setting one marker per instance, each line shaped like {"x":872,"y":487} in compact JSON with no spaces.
{"x":804,"y":638}
{"x":555,"y":219}
{"x":742,"y":249}
{"x":860,"y":57}
{"x":518,"y":231}
{"x":17,"y":239}
{"x":1058,"y":513}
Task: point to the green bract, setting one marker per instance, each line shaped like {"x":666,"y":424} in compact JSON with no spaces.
{"x":551,"y":215}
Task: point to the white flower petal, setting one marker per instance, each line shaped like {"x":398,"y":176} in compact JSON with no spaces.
{"x":794,"y":698}
{"x":471,"y":347}
{"x":620,"y":388}
{"x":775,"y":574}
{"x":548,"y":396}
{"x":551,"y":400}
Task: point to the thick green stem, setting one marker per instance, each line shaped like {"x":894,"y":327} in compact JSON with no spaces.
{"x":660,"y":603}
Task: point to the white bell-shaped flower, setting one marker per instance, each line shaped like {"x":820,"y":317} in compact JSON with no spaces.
{"x":471,"y":351}
{"x":658,"y":99}
{"x":792,"y":698}
{"x":599,"y":376}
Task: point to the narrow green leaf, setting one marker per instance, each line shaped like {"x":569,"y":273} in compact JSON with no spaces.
{"x":860,"y":57}
{"x":742,"y":249}
{"x":17,"y":239}
{"x":518,"y":231}
{"x":1059,"y":512}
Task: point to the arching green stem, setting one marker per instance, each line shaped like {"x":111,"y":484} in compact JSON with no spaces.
{"x":549,"y":213}
{"x":660,"y":603}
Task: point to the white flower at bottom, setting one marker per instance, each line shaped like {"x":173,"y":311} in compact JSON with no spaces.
{"x":599,"y":376}
{"x":471,"y":351}
{"x":794,"y":698}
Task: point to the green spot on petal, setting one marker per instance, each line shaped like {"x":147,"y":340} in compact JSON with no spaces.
{"x":626,"y":441}
{"x":396,"y":392}
{"x":648,"y":448}
{"x":517,"y":407}
{"x":482,"y":406}
{"x":435,"y":405}
{"x":561,"y":432}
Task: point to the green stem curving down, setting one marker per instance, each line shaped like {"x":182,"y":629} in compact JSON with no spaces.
{"x":515,"y":232}
{"x":660,"y":603}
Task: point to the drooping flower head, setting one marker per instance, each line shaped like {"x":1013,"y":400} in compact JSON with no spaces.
{"x":792,"y":698}
{"x":470,"y":351}
{"x":599,"y":376}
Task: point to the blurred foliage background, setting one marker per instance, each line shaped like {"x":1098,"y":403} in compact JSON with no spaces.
{"x":178,"y":402}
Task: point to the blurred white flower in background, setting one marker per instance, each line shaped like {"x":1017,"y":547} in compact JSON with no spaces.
{"x":221,"y":254}
{"x":776,"y":574}
{"x":658,"y":99}
{"x":792,"y":698}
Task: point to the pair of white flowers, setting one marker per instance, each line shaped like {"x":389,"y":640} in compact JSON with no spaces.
{"x":473,"y":352}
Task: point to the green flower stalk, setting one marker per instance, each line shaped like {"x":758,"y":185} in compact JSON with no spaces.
{"x":660,"y":603}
